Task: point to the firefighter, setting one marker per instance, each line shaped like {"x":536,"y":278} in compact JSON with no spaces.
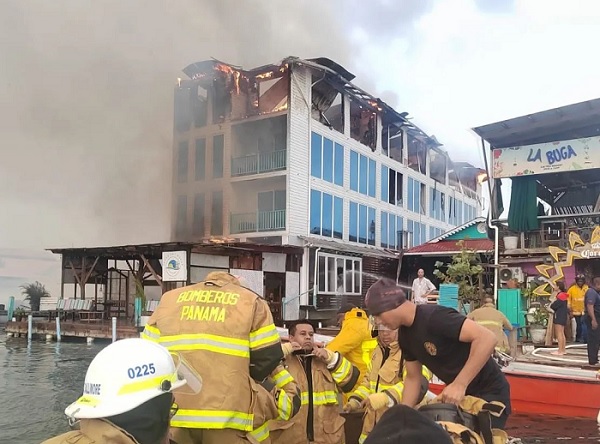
{"x":494,"y":320}
{"x":127,"y":396}
{"x":226,"y":332}
{"x":354,"y":341}
{"x":382,"y":386}
{"x":321,"y":374}
{"x":278,"y":398}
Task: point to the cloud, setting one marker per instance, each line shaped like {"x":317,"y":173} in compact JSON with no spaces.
{"x":87,"y":136}
{"x":496,"y":6}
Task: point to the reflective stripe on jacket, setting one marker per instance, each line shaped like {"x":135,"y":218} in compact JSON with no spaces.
{"x":354,"y":341}
{"x":94,"y":431}
{"x":278,"y":398}
{"x":494,"y":320}
{"x":327,"y":424}
{"x":382,"y":377}
{"x":226,"y":333}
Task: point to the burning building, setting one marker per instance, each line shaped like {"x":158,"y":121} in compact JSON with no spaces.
{"x":295,"y":154}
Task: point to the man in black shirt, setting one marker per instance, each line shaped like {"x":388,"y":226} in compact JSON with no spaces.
{"x":456,"y":349}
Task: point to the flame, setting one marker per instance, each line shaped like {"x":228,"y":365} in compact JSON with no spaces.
{"x":228,"y":70}
{"x":263,"y":76}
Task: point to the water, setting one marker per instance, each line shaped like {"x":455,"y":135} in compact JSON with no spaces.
{"x":38,"y":381}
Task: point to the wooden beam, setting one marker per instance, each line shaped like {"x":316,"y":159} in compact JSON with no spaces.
{"x":89,"y":273}
{"x":154,"y":274}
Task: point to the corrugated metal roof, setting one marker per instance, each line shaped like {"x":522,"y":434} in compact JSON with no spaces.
{"x":446,"y":247}
{"x":350,"y":247}
{"x":457,"y":229}
{"x":566,"y":122}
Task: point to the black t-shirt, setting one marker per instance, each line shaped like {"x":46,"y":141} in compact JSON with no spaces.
{"x":433,"y":340}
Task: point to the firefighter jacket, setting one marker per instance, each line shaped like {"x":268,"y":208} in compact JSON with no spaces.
{"x":384,"y":376}
{"x":94,"y":431}
{"x":354,"y":341}
{"x":226,"y":333}
{"x":318,"y":420}
{"x":278,"y":398}
{"x":494,"y":320}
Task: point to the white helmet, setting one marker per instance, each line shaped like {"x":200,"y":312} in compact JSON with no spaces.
{"x":124,"y":375}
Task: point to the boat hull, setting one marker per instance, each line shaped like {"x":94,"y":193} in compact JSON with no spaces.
{"x":533,"y":394}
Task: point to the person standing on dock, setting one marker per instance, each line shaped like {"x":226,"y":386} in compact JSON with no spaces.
{"x":456,"y":349}
{"x":128,"y":395}
{"x":576,"y":304}
{"x":592,"y":306}
{"x":421,"y":288}
{"x":227,"y":334}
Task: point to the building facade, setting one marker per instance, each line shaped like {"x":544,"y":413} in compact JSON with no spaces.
{"x":294,"y":154}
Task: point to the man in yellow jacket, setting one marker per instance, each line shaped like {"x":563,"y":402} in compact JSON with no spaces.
{"x":321,"y":374}
{"x":576,"y":304}
{"x":383,"y":385}
{"x":354,"y":341}
{"x":226,"y":333}
{"x":494,"y":320}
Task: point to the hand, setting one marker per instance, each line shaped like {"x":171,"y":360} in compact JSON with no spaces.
{"x":376,"y":401}
{"x":290,"y":347}
{"x":352,"y":405}
{"x":453,"y":393}
{"x":323,"y":354}
{"x":594,"y":324}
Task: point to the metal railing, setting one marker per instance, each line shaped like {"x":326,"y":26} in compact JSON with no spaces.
{"x":259,"y":163}
{"x":257,"y":222}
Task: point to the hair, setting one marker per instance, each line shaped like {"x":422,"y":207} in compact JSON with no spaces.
{"x":488,"y":300}
{"x":561,"y":285}
{"x":293,"y":326}
{"x":596,"y":281}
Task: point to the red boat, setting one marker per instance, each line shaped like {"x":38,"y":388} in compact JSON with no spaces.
{"x":543,"y":389}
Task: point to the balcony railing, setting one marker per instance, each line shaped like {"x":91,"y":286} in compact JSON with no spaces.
{"x":258,"y":163}
{"x":257,"y":222}
{"x":554,"y":230}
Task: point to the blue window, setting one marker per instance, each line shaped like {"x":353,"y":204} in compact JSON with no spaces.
{"x":364,"y":175}
{"x":327,"y":160}
{"x":372,"y":226}
{"x":411,"y":196}
{"x":338,"y":217}
{"x":410,"y":227}
{"x":385,"y":177}
{"x":362,"y":224}
{"x":432,"y":200}
{"x":315,"y":155}
{"x":338,"y":167}
{"x":399,"y":233}
{"x":372,"y":177}
{"x":353,"y":235}
{"x":384,"y":230}
{"x":315,"y":212}
{"x":431,"y":233}
{"x":326,"y":214}
{"x":353,"y":170}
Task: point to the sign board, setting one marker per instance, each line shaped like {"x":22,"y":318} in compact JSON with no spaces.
{"x":544,"y":158}
{"x":174,"y":266}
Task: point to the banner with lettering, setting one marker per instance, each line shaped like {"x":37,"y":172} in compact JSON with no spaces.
{"x":544,"y":158}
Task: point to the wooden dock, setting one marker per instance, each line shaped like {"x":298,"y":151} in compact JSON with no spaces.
{"x":95,"y":330}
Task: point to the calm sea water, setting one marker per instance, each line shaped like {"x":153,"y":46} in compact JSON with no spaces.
{"x":37,"y":382}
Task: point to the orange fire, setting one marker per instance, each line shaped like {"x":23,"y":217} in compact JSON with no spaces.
{"x":264,"y":76}
{"x":231,"y":72}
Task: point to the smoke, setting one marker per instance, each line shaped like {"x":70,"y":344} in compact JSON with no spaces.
{"x":87,"y":88}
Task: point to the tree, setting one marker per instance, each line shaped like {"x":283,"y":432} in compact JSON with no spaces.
{"x":465,"y":271}
{"x":34,"y":293}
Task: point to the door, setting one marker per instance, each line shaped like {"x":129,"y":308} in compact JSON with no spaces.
{"x":274,"y":284}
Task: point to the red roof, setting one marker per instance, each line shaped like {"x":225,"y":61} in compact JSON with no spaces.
{"x":450,"y":246}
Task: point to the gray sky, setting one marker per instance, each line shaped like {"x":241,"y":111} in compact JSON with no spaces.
{"x":87,"y":90}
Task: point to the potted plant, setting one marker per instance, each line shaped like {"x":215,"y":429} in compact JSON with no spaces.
{"x":465,"y":271}
{"x":19,"y":314}
{"x":538,"y":323}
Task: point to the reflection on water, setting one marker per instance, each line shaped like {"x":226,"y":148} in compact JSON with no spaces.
{"x":38,"y":381}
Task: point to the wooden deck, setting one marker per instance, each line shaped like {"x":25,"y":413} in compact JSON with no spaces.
{"x":95,"y":330}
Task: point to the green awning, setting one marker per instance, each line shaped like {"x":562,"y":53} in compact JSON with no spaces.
{"x":523,"y":210}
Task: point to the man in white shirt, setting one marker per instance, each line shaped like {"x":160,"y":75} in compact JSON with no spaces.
{"x":421,"y":288}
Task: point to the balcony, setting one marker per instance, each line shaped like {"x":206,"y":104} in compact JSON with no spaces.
{"x":554,"y":231}
{"x":258,"y":163}
{"x":257,"y":222}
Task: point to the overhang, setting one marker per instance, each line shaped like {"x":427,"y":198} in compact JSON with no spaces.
{"x":450,"y":247}
{"x":564,"y":123}
{"x":349,"y":247}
